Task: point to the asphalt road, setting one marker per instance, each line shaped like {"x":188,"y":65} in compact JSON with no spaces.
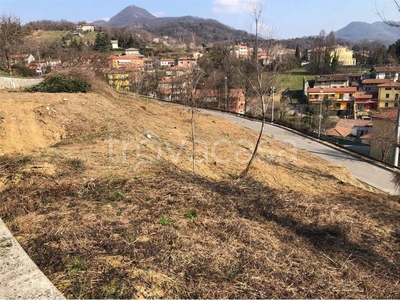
{"x":368,"y":172}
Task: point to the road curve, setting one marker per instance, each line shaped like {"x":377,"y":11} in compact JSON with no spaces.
{"x":365,"y":171}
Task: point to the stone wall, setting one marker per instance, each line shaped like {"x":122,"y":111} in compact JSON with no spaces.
{"x":18,"y":83}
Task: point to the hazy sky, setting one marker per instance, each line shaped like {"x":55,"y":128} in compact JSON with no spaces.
{"x":283,"y":18}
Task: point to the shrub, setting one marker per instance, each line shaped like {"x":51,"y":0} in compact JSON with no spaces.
{"x":71,"y":81}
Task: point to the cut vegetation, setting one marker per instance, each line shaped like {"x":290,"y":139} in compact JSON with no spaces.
{"x":98,"y":188}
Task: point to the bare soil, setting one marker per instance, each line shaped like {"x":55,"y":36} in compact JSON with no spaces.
{"x":99,"y":189}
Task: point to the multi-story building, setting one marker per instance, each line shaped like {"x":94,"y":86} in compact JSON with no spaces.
{"x":388,"y":94}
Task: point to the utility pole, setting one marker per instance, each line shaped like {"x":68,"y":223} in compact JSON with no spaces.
{"x":39,"y":70}
{"x":320,"y":118}
{"x":272,"y":117}
{"x":226,"y":93}
{"x":396,"y":146}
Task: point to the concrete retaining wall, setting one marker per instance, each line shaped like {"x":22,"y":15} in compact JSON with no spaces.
{"x":18,"y":83}
{"x":20,"y":278}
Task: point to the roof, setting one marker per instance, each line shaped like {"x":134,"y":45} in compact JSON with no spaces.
{"x":382,"y":69}
{"x":334,"y":77}
{"x":345,"y":127}
{"x":375,"y":81}
{"x":339,"y":131}
{"x":390,"y":84}
{"x":365,"y":95}
{"x":332,"y":90}
{"x":389,"y":115}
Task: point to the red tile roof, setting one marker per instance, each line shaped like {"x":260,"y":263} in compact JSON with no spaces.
{"x":389,"y":114}
{"x":333,"y":90}
{"x":375,"y":81}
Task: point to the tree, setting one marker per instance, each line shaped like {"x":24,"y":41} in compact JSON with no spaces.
{"x":10,"y":37}
{"x":265,"y":76}
{"x":102,"y":42}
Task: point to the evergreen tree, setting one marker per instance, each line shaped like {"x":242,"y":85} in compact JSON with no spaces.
{"x":102,"y":42}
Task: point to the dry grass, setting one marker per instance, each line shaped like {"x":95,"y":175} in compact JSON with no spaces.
{"x":116,"y":220}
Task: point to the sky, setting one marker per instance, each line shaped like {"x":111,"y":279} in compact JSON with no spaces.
{"x":282,"y":19}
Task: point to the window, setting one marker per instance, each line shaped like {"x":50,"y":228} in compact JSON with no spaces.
{"x":367,"y":88}
{"x":387,"y":96}
{"x":386,"y":104}
{"x":387,"y":89}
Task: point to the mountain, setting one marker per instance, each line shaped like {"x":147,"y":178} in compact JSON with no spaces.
{"x":185,"y":27}
{"x":377,"y":31}
{"x":129,"y":16}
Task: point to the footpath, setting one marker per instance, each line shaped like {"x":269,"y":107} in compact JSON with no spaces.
{"x":20,"y":278}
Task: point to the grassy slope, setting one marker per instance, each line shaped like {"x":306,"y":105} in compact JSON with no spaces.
{"x":108,"y":220}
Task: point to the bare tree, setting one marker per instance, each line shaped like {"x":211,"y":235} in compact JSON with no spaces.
{"x":381,"y":14}
{"x":265,"y":75}
{"x":10,"y":37}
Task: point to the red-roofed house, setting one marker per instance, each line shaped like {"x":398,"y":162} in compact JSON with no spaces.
{"x":350,"y":127}
{"x":383,"y":135}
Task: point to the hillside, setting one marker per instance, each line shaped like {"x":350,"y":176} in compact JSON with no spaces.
{"x":361,"y":31}
{"x":188,"y":28}
{"x":98,"y":189}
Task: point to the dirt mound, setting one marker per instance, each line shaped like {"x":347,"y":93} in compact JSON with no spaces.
{"x":104,"y":199}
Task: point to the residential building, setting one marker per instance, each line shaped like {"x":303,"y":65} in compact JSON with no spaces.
{"x":187,"y":62}
{"x":388,"y":94}
{"x":343,"y":55}
{"x":370,"y":85}
{"x":114,"y":44}
{"x":166,"y":62}
{"x":343,"y":98}
{"x":364,"y":104}
{"x":234,"y":99}
{"x":383,"y":135}
{"x":331,"y":81}
{"x":133,"y":52}
{"x":350,"y":128}
{"x":242,"y":51}
{"x":84,"y":27}
{"x":24,"y":59}
{"x":119,"y":80}
{"x":127,"y":61}
{"x":385,"y":72}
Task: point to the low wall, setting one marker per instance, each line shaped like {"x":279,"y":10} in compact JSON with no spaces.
{"x":18,"y":83}
{"x":20,"y":278}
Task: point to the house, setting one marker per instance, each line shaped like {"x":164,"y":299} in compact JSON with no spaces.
{"x":84,"y":28}
{"x":166,"y":62}
{"x":344,"y":56}
{"x":133,"y":52}
{"x":343,"y":97}
{"x":371,"y":85}
{"x":383,"y":135}
{"x":126,"y":61}
{"x":241,"y":51}
{"x":331,"y":81}
{"x":364,"y":104}
{"x":119,"y":80}
{"x":388,"y":94}
{"x":187,"y":62}
{"x":350,"y":127}
{"x":385,"y":72}
{"x":172,"y":88}
{"x":114,"y":44}
{"x":24,"y":59}
{"x":234,"y":99}
{"x":342,"y":53}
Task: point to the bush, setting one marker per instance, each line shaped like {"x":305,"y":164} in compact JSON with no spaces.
{"x":71,"y":81}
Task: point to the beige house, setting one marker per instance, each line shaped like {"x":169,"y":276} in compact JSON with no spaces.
{"x":388,"y":94}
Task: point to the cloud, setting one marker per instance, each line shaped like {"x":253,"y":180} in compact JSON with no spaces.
{"x":159,"y":14}
{"x":229,"y":6}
